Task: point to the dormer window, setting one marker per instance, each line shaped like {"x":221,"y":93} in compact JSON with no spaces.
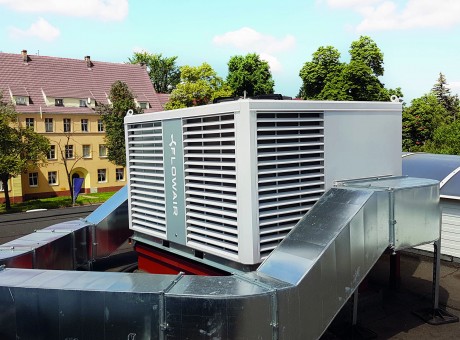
{"x":143,"y":105}
{"x":83,"y":103}
{"x":20,"y":100}
{"x":59,"y":102}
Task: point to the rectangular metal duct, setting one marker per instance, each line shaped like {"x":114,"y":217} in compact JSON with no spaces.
{"x":232,"y":179}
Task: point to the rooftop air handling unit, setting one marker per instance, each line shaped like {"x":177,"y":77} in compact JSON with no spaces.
{"x":230,"y":180}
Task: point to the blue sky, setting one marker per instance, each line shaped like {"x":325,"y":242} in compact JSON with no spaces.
{"x":419,"y":38}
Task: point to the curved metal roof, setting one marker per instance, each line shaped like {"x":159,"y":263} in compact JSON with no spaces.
{"x":444,"y":168}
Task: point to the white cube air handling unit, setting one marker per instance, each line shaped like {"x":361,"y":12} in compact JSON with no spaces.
{"x":232,"y":179}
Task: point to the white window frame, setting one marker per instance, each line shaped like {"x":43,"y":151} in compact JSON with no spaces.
{"x":102,"y":151}
{"x":51,"y":152}
{"x":84,"y":154}
{"x":52,"y":175}
{"x":101,"y":175}
{"x":33,"y":179}
{"x":67,"y":125}
{"x":84,"y":125}
{"x":100,"y":126}
{"x":69,"y":152}
{"x":30,"y":123}
{"x":83,"y":103}
{"x":58,"y":102}
{"x":21,"y":100}
{"x":48,"y":127}
{"x":119,"y":171}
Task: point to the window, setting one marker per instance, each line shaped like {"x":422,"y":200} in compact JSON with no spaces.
{"x":48,"y":124}
{"x":86,"y":151}
{"x":67,"y":125}
{"x":119,"y":174}
{"x":144,"y":105}
{"x":52,"y":178}
{"x":84,"y":125}
{"x":100,"y":125}
{"x":102,"y":150}
{"x":21,"y":101}
{"x":101,"y":175}
{"x":33,"y":179}
{"x":59,"y":102}
{"x":30,"y":123}
{"x":68,"y":151}
{"x":52,"y":152}
{"x":1,"y":186}
{"x":82,"y":103}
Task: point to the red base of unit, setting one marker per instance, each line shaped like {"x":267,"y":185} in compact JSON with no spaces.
{"x":157,"y":261}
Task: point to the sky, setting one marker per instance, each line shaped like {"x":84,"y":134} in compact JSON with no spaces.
{"x":419,"y":38}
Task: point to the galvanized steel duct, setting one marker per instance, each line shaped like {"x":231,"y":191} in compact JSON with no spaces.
{"x":294,"y":294}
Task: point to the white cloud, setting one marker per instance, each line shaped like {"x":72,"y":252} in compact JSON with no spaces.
{"x":41,"y":29}
{"x":273,"y":62}
{"x":107,"y":10}
{"x":391,"y":15}
{"x":249,"y":40}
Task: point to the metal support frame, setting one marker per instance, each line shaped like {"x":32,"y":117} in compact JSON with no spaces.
{"x":436,"y":315}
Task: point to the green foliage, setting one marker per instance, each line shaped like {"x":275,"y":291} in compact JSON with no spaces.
{"x":251,"y":74}
{"x":420,"y":120}
{"x":450,"y":102}
{"x":163,"y":71}
{"x":20,"y":148}
{"x":326,"y":78}
{"x":198,"y":86}
{"x":112,"y":116}
{"x":445,"y":139}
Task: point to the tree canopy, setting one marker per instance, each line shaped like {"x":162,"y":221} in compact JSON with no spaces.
{"x":163,"y":71}
{"x":112,"y":116}
{"x":429,"y":123}
{"x":198,"y":85}
{"x":21,"y":149}
{"x":326,"y":78}
{"x":251,"y":74}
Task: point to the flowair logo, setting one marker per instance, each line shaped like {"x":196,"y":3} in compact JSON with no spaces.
{"x":172,"y":146}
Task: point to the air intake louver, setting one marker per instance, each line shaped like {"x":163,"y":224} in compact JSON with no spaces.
{"x":290,"y":160}
{"x":210,"y":184}
{"x":145,"y":161}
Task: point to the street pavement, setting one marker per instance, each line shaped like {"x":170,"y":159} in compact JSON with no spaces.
{"x":16,"y":225}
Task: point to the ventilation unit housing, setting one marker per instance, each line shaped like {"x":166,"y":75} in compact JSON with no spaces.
{"x":232,"y":179}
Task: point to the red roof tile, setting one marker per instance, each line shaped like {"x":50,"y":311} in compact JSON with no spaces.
{"x":69,"y":78}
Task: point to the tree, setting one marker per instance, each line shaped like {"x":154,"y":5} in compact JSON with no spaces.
{"x":324,"y":67}
{"x":445,"y":139}
{"x":251,"y":74}
{"x":69,"y":160}
{"x":112,"y":116}
{"x":163,"y":72}
{"x":21,"y":149}
{"x":326,"y":78}
{"x":198,"y":86}
{"x":420,"y":120}
{"x":450,"y":102}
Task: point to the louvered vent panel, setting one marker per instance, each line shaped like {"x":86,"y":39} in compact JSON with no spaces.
{"x":210,"y":184}
{"x":146,"y":178}
{"x":290,"y":158}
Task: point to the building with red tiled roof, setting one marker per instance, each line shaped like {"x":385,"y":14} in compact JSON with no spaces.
{"x":57,"y":97}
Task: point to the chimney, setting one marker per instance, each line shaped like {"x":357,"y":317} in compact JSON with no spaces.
{"x":25,"y":58}
{"x":88,"y":61}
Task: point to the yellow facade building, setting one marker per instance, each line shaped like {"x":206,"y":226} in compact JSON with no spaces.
{"x":57,"y":97}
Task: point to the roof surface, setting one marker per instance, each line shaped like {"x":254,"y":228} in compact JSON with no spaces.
{"x":69,"y":78}
{"x":444,"y":168}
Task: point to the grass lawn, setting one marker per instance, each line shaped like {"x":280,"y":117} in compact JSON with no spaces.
{"x":58,"y":202}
